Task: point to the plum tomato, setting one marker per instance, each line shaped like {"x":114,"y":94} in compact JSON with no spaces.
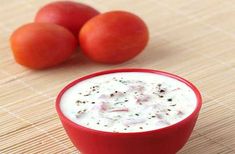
{"x":41,"y":45}
{"x":113,"y":37}
{"x":71,"y":15}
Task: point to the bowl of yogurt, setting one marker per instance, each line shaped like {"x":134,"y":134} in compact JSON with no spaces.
{"x":125,"y":111}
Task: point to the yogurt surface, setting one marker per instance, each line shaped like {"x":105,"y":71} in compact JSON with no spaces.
{"x":128,"y":102}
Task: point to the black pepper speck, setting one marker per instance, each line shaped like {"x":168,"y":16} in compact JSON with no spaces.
{"x":169,"y":100}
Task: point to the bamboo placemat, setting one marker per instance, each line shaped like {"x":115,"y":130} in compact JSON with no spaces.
{"x":192,"y":38}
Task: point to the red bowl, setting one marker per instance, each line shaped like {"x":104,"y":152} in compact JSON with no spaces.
{"x":167,"y":140}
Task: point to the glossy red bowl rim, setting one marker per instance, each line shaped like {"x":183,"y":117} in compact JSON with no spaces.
{"x":192,"y":115}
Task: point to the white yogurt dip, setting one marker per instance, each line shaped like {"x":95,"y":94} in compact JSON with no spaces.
{"x":128,"y":102}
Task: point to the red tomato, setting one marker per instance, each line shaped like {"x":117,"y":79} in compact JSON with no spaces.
{"x":113,"y":37}
{"x":71,"y":15}
{"x":41,"y":45}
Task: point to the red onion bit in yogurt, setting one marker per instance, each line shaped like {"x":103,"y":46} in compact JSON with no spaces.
{"x":120,"y":110}
{"x":136,"y":88}
{"x":142,"y":99}
{"x":159,"y":116}
{"x":103,"y":106}
{"x":103,"y":96}
{"x":180,"y":113}
{"x":175,"y":89}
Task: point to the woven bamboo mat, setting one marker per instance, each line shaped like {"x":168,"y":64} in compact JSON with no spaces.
{"x":192,"y":38}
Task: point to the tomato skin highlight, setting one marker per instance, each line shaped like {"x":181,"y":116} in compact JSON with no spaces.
{"x":113,"y":37}
{"x":42,"y":45}
{"x":71,"y":15}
